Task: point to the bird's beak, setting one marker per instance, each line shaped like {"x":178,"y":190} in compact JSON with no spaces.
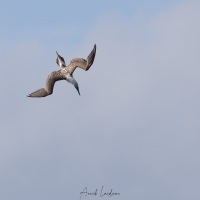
{"x":77,"y":89}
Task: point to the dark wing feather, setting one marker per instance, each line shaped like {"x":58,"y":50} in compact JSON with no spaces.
{"x":51,"y":79}
{"x":59,"y":60}
{"x":82,"y":63}
{"x":39,"y":93}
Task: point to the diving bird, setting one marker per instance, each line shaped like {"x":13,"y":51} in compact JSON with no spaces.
{"x":65,"y":73}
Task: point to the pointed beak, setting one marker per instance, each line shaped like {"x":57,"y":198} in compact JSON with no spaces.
{"x":77,"y":90}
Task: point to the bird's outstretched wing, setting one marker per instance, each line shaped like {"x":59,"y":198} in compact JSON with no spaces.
{"x":39,"y":93}
{"x":60,"y":60}
{"x":82,"y":63}
{"x":48,"y":90}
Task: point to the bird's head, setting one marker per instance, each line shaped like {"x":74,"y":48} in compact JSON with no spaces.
{"x":73,"y":81}
{"x":70,"y":79}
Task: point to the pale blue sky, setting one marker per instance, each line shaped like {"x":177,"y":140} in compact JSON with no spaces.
{"x":135,"y":127}
{"x":24,"y":19}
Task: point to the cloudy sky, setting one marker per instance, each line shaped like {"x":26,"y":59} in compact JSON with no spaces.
{"x":135,"y":128}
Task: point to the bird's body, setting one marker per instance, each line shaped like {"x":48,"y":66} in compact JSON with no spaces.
{"x":65,"y":73}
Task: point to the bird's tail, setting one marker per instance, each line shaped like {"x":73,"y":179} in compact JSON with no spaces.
{"x":39,"y":93}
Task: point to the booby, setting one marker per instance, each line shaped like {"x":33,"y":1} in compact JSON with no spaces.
{"x":65,"y":73}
